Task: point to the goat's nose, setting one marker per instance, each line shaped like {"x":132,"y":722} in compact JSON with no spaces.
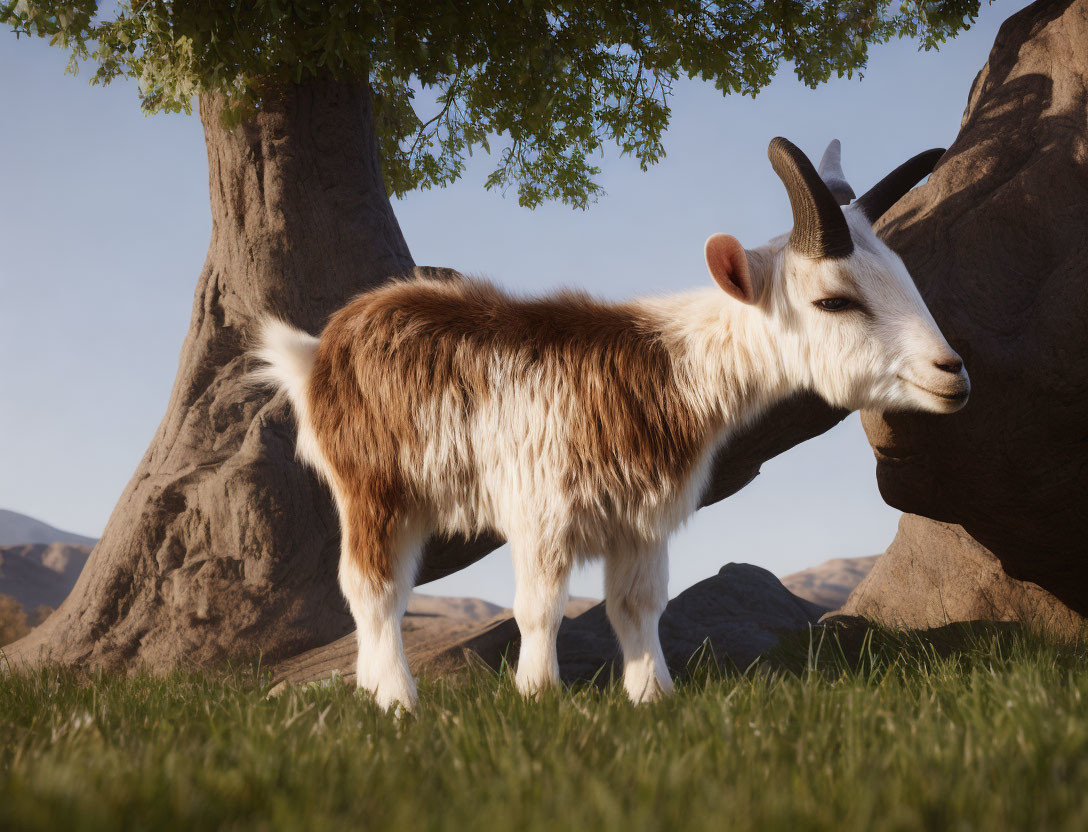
{"x":949,"y":365}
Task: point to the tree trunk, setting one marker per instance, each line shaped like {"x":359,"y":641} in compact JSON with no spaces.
{"x":222,"y":546}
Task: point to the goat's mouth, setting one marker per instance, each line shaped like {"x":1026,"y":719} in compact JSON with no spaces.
{"x":957,"y":397}
{"x":892,"y":456}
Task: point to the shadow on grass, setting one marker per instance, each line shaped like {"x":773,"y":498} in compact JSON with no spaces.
{"x":854,"y":646}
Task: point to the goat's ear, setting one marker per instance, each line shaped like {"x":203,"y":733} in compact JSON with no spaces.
{"x":728,"y":264}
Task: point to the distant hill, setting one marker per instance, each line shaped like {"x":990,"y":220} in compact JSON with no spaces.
{"x":39,"y":564}
{"x":41,"y":573}
{"x":830,"y":583}
{"x":65,"y":560}
{"x":474,"y":609}
{"x":436,"y":606}
{"x":17,"y":528}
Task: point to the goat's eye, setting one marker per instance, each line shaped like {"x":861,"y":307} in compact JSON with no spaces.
{"x":834,"y":304}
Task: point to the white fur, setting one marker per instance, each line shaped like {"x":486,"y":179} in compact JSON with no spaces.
{"x":381,"y":666}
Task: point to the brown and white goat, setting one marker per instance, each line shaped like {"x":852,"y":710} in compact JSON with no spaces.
{"x":581,"y":429}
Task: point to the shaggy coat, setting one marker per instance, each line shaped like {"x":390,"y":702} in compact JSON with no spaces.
{"x":455,"y":401}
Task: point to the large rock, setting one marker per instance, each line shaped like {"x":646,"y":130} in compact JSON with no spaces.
{"x":916,"y":585}
{"x":739,"y":614}
{"x":997,"y":242}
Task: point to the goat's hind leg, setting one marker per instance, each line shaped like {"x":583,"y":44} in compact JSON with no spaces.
{"x":378,"y":563}
{"x":636,"y":591}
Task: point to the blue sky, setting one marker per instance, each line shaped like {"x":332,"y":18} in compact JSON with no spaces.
{"x":104,"y":225}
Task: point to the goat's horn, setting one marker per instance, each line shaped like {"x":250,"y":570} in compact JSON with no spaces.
{"x":889,"y":190}
{"x":830,"y":171}
{"x":819,"y":227}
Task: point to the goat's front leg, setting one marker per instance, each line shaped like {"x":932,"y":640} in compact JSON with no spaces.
{"x":636,"y":591}
{"x":542,"y":579}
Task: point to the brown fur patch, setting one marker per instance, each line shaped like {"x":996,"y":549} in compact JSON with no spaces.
{"x":390,"y":353}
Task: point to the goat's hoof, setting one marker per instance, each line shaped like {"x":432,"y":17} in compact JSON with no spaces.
{"x":652,"y":690}
{"x":391,"y":699}
{"x":536,"y":688}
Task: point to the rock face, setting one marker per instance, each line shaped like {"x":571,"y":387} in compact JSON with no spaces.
{"x":830,"y":584}
{"x":739,"y":613}
{"x":915,"y":585}
{"x":997,"y":243}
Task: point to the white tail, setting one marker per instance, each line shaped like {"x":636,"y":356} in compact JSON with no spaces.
{"x":288,"y":356}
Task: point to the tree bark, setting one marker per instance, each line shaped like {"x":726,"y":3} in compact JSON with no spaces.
{"x":222,"y":546}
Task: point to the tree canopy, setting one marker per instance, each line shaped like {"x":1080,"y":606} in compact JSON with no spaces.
{"x":550,"y":82}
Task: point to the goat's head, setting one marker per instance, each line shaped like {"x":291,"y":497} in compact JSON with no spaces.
{"x":848,"y":318}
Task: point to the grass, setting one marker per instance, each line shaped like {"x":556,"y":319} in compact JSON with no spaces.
{"x":975,"y":729}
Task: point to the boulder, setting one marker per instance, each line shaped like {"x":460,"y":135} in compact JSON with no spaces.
{"x":997,"y":244}
{"x":917,"y":585}
{"x":738,"y":614}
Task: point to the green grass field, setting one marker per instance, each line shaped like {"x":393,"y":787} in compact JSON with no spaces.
{"x":977,"y":730}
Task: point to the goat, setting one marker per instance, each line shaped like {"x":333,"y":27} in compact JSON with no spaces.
{"x":579,"y":429}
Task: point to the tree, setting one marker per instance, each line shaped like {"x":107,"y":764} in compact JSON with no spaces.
{"x":221,"y":545}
